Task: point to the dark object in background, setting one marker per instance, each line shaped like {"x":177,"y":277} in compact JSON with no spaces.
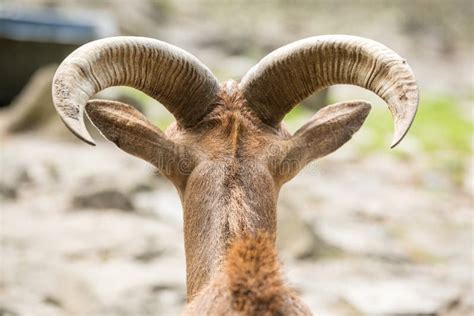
{"x":33,"y":106}
{"x":317,"y":101}
{"x":34,"y":38}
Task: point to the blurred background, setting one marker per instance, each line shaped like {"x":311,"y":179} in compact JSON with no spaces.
{"x":365,"y":231}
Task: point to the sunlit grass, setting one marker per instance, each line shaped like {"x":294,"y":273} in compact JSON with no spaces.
{"x":297,"y":117}
{"x":163,"y":122}
{"x":440,"y":126}
{"x":161,"y":117}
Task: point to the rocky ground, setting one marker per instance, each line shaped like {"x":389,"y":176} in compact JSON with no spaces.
{"x":91,"y":231}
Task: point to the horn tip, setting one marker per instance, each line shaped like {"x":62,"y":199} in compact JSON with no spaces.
{"x":403,"y":120}
{"x":400,"y":131}
{"x":395,"y":142}
{"x":78,"y":128}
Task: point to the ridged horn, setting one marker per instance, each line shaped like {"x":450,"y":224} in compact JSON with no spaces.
{"x":291,"y":73}
{"x":178,"y":80}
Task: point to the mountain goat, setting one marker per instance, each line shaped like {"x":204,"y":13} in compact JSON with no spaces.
{"x":228,"y":153}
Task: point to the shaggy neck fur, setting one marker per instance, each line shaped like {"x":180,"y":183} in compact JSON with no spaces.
{"x":249,"y":283}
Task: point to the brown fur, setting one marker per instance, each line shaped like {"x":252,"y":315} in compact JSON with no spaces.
{"x":249,"y":283}
{"x":255,"y":280}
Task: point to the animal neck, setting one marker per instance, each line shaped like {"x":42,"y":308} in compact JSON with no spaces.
{"x":229,"y":195}
{"x":213,"y":226}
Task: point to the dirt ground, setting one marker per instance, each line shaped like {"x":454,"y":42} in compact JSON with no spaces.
{"x":91,"y":231}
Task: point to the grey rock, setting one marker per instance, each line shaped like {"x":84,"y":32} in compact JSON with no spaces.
{"x":8,"y":192}
{"x":298,"y":239}
{"x":150,"y":299}
{"x":5,"y":311}
{"x":412,"y":295}
{"x":461,"y":306}
{"x":107,"y":198}
{"x":468,"y":184}
{"x":51,"y":290}
{"x":14,"y":177}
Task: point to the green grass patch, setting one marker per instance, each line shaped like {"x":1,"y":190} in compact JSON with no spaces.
{"x":439,"y":126}
{"x":164,"y":122}
{"x":297,"y":117}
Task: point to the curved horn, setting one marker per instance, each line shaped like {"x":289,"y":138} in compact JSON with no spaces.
{"x":167,"y":73}
{"x":290,"y":74}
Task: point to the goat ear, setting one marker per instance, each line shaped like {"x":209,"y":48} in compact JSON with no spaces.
{"x":329,"y":129}
{"x":131,"y":131}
